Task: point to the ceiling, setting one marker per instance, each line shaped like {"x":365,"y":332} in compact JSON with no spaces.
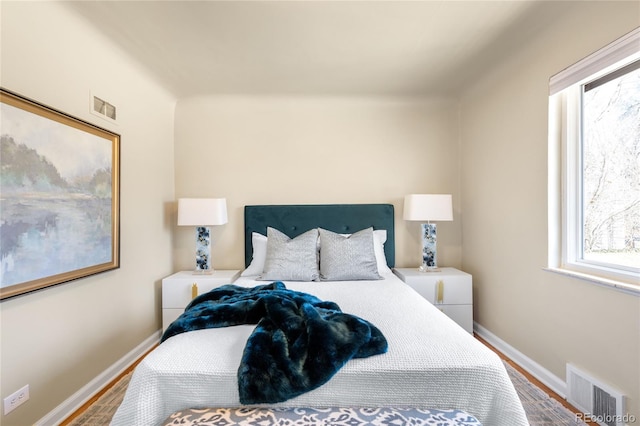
{"x":388,"y":48}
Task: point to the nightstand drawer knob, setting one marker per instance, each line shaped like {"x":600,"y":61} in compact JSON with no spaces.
{"x":194,"y":290}
{"x":439,"y":291}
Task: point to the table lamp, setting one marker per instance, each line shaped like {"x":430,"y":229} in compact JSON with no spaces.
{"x":202,"y":213}
{"x":427,"y":208}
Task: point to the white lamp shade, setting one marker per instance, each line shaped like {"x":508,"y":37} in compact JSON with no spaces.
{"x":202,"y":211}
{"x":428,"y":207}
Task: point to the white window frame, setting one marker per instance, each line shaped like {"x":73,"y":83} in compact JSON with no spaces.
{"x":564,"y":166}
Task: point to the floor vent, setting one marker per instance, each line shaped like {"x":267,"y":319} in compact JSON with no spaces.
{"x":599,"y":402}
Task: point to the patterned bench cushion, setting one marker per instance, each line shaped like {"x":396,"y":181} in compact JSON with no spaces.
{"x":319,"y":416}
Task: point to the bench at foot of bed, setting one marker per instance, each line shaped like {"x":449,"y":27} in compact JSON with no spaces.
{"x":319,"y":416}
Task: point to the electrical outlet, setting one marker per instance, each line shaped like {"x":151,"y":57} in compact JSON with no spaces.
{"x":16,"y":399}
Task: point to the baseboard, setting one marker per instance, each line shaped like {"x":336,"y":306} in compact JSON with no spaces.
{"x":550,"y":380}
{"x":75,"y":401}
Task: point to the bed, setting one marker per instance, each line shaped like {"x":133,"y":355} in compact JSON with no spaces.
{"x":430,"y":363}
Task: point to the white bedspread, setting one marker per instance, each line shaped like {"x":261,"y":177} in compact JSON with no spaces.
{"x":431,"y":363}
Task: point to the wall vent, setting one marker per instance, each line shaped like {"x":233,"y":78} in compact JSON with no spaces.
{"x":600,"y":403}
{"x":103,"y":108}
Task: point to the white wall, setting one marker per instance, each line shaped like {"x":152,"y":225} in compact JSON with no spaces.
{"x":550,"y":318}
{"x":288,"y":150}
{"x":58,"y":339}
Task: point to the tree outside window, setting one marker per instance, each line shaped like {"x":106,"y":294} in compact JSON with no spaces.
{"x":610,"y":165}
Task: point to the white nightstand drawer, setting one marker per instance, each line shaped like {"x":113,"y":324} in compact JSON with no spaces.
{"x":449,"y":290}
{"x":178,"y":290}
{"x":447,"y":287}
{"x":169,"y":315}
{"x":461,"y":314}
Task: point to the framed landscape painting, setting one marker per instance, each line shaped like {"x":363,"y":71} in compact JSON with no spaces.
{"x":59,"y":197}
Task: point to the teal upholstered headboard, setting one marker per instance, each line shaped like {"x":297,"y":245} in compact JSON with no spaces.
{"x":293,"y":220}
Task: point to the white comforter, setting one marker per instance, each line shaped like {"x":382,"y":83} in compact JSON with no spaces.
{"x":431,"y":363}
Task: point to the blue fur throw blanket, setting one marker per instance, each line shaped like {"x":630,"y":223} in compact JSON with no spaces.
{"x":298,"y":344}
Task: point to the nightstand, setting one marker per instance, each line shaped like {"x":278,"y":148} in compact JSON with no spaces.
{"x":449,"y":290}
{"x":180,"y":288}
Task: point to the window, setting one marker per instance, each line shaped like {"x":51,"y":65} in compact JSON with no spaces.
{"x":594,"y":166}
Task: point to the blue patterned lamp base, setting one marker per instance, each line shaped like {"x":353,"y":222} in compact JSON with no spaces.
{"x":429,"y":252}
{"x":203,"y":250}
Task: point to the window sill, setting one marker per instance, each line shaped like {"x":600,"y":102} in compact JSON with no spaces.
{"x":624,"y":287}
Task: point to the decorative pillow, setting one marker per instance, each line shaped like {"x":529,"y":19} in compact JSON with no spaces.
{"x":259,"y":243}
{"x":291,"y":259}
{"x":345,"y":258}
{"x":379,"y":238}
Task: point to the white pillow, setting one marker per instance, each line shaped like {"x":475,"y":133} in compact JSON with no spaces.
{"x":256,"y":266}
{"x":379,"y":238}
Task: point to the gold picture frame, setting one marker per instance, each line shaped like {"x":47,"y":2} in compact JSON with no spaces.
{"x":59,"y":195}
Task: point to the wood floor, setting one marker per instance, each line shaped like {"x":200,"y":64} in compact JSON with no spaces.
{"x":531,"y":378}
